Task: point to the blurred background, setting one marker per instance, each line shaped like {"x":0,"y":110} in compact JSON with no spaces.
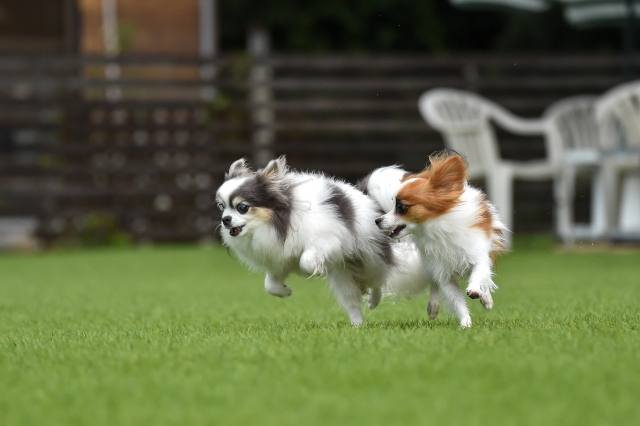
{"x":119,"y":118}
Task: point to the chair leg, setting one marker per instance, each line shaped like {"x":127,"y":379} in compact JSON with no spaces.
{"x":599,"y":207}
{"x":500,"y":191}
{"x":564,"y":188}
{"x":607,"y":185}
{"x":629,"y":218}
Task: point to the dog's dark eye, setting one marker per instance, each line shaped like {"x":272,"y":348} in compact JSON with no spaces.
{"x":242,"y":208}
{"x":401,"y":208}
{"x":220,"y":207}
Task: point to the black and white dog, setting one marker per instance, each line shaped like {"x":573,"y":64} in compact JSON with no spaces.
{"x":281,"y":221}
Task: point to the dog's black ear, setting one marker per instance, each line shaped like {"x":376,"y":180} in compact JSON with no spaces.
{"x":237,"y":169}
{"x":275,"y":169}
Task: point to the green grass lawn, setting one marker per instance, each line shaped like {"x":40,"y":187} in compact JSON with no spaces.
{"x":186,"y":336}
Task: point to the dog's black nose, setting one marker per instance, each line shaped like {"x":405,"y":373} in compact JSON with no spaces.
{"x":378,"y":221}
{"x":226,"y":221}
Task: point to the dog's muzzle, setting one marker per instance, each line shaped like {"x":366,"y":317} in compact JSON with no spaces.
{"x":234,"y":231}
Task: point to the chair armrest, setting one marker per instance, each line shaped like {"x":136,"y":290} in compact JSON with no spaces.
{"x":518,"y":125}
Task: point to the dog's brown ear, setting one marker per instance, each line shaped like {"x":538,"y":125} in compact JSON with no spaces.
{"x":275,"y":169}
{"x":448,"y":175}
{"x":237,"y":169}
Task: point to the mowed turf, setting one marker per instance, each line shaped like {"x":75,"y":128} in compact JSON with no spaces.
{"x":187,"y":336}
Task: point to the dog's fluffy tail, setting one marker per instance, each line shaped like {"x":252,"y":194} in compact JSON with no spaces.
{"x":382,"y":185}
{"x":408,"y":277}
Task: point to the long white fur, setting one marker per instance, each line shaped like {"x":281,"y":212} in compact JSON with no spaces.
{"x":450,"y":245}
{"x":317,"y":243}
{"x":410,"y":277}
{"x":383,"y":185}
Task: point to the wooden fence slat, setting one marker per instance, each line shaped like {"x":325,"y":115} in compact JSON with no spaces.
{"x":151,"y":146}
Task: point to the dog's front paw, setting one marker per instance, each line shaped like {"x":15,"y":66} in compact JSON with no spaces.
{"x":280,"y":291}
{"x":474,"y":293}
{"x":276,"y":286}
{"x":312,"y":263}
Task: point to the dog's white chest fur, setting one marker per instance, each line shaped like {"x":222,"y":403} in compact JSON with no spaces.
{"x":451,"y":241}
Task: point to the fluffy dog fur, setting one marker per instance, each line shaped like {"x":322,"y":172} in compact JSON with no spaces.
{"x":281,"y":221}
{"x":410,"y":277}
{"x":456,"y":229}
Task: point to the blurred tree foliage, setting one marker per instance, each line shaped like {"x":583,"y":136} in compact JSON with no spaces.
{"x":101,"y":229}
{"x":550,"y":31}
{"x":353,"y":25}
{"x":401,"y":25}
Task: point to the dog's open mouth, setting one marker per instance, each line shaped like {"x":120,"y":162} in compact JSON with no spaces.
{"x":235,"y":231}
{"x":397,"y":231}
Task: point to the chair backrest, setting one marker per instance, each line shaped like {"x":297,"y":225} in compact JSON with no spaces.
{"x":618,"y":115}
{"x":463,"y":119}
{"x":572,"y":127}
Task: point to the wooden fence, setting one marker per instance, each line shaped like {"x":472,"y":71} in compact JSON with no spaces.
{"x":100,"y":146}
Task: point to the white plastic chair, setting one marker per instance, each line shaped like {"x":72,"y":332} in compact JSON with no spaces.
{"x":465,"y":121}
{"x":574,"y":132}
{"x":618,"y":116}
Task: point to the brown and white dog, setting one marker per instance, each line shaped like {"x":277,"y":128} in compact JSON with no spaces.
{"x":456,"y":229}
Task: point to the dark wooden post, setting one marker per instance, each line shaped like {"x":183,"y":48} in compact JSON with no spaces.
{"x":260,"y":97}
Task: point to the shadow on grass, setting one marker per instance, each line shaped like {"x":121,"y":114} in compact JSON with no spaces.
{"x":590,"y":321}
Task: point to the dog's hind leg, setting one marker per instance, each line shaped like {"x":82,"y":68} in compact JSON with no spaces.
{"x":375,"y":277}
{"x":455,"y":300}
{"x":434,"y":300}
{"x":348,"y":294}
{"x":276,"y":286}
